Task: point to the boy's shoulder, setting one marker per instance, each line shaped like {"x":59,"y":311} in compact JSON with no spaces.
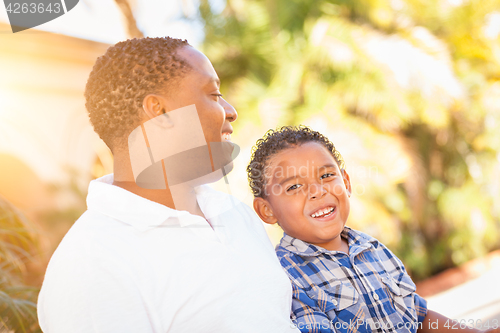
{"x":304,"y":262}
{"x":292,"y":250}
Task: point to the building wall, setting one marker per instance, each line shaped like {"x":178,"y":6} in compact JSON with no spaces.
{"x":43,"y":123}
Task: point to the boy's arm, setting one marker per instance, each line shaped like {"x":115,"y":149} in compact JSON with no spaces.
{"x":435,"y":323}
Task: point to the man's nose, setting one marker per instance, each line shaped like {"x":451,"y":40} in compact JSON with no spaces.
{"x":316,"y":191}
{"x":231,"y":113}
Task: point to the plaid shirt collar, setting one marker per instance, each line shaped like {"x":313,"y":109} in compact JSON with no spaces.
{"x":358,"y":242}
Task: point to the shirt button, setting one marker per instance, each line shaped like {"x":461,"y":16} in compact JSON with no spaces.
{"x":335,"y":302}
{"x":376,"y":297}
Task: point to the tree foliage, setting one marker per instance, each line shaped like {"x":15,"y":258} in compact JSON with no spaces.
{"x":408,"y":88}
{"x":18,"y":244}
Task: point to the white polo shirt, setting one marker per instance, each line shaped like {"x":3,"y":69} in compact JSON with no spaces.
{"x":128,"y":265}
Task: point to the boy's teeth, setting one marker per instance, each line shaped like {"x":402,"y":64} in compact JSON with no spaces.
{"x":323,"y":212}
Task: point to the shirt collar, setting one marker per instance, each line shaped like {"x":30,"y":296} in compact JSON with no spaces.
{"x":212,"y":202}
{"x":144,"y":214}
{"x":356,"y":240}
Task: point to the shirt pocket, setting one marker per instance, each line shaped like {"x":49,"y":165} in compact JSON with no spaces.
{"x":338,"y":296}
{"x":401,"y":289}
{"x":401,"y":285}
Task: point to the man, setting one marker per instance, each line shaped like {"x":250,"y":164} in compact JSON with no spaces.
{"x":149,"y":256}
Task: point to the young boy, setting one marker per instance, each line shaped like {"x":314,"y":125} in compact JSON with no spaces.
{"x":343,"y":280}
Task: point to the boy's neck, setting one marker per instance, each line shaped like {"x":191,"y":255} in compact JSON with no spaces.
{"x":337,"y":244}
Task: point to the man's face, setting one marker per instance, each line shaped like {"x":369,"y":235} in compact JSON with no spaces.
{"x":200,"y":86}
{"x":309,"y":194}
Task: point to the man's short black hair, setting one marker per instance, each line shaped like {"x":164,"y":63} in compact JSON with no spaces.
{"x":275,"y":141}
{"x":123,"y":76}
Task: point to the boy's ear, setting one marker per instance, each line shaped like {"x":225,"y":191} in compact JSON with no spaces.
{"x":347,"y":182}
{"x":264,"y":210}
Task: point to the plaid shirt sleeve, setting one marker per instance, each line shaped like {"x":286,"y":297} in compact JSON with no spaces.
{"x":421,"y":307}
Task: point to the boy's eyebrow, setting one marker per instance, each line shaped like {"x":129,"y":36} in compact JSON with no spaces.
{"x":327,"y":166}
{"x":287,"y":179}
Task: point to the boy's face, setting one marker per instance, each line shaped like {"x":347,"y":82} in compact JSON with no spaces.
{"x":307,"y":195}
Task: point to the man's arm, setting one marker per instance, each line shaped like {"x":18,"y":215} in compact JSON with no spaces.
{"x":435,"y":323}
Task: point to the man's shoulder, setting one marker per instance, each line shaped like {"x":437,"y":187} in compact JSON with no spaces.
{"x":89,"y":236}
{"x":95,"y":223}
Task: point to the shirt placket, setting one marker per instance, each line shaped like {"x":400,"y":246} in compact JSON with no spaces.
{"x":366,"y":282}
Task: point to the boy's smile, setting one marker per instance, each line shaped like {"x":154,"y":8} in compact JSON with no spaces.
{"x":307,"y":195}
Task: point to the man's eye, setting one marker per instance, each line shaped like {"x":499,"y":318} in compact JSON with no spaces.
{"x":293,"y":187}
{"x":326,"y":175}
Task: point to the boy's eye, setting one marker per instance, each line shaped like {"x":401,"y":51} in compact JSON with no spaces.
{"x":217,"y":95}
{"x":326,"y":175}
{"x":293,"y":187}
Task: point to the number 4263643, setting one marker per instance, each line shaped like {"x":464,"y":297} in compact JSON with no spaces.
{"x":24,"y":8}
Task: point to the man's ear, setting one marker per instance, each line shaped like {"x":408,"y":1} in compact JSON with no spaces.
{"x":347,"y":182}
{"x":153,"y":106}
{"x":264,"y":210}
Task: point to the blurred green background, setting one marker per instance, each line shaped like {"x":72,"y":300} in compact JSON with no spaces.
{"x":408,"y":90}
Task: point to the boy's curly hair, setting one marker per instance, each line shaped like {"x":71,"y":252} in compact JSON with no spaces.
{"x":123,"y":76}
{"x":275,"y":141}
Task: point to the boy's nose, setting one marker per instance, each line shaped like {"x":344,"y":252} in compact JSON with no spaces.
{"x":316,"y":191}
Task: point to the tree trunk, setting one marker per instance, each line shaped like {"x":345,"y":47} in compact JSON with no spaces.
{"x":132,"y":29}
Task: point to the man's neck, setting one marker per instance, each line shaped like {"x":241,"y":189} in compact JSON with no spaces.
{"x":162,"y":197}
{"x":179,"y":197}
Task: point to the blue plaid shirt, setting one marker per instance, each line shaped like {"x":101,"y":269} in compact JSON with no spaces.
{"x":367,"y":290}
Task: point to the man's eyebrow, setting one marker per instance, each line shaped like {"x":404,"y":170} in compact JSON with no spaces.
{"x":212,"y":79}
